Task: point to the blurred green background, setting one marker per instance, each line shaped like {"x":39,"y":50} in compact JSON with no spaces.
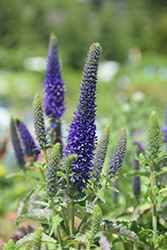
{"x":132,"y":71}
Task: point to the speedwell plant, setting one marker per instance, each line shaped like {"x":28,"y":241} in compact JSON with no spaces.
{"x":66,"y":202}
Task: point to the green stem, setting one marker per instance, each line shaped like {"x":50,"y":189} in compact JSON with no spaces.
{"x":85,"y":217}
{"x":65,"y":219}
{"x":57,"y":229}
{"x":89,"y":244}
{"x":27,"y":180}
{"x":42,"y":174}
{"x":154,"y":207}
{"x":71,"y":219}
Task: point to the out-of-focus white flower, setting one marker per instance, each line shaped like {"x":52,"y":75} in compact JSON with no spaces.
{"x":138,"y":96}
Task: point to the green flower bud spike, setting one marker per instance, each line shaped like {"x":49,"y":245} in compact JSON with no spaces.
{"x":154,"y":136}
{"x":96,"y":221}
{"x":39,"y":123}
{"x":52,"y":170}
{"x":37,"y":239}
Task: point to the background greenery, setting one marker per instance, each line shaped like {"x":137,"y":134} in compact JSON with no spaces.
{"x":133,"y":34}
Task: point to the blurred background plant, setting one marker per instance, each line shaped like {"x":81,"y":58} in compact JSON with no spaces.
{"x":132,"y":71}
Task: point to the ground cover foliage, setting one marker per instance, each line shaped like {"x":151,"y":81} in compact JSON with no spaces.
{"x":70,"y":182}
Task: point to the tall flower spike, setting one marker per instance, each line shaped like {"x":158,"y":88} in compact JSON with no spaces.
{"x":164,"y":129}
{"x":118,"y":155}
{"x":136,"y":179}
{"x":54,"y":85}
{"x":100,"y":154}
{"x":154,"y":137}
{"x":52,"y":170}
{"x":96,"y":220}
{"x":16,"y":144}
{"x":39,"y":123}
{"x":82,"y":129}
{"x":37,"y":239}
{"x":29,"y":147}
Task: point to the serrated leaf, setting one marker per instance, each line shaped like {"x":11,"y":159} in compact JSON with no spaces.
{"x":29,"y":238}
{"x":10,"y":245}
{"x":23,"y":247}
{"x":136,"y":173}
{"x":38,"y":215}
{"x":54,"y":222}
{"x":89,"y":207}
{"x":162,"y":171}
{"x":39,"y":164}
{"x":41,"y":203}
{"x":162,"y":241}
{"x":36,"y":189}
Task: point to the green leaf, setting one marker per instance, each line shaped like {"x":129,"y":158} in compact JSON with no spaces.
{"x":111,"y":227}
{"x":159,"y":200}
{"x":14,"y":175}
{"x":89,"y":207}
{"x":136,"y":173}
{"x":23,"y":247}
{"x":38,"y":215}
{"x":10,"y":245}
{"x":36,"y":189}
{"x":162,"y":241}
{"x":151,"y":195}
{"x":54,"y":222}
{"x":30,"y":238}
{"x":39,"y":164}
{"x":41,"y":203}
{"x":162,"y":171}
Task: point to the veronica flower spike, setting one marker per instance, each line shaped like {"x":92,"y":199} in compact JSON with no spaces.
{"x":100,"y":154}
{"x":53,"y":85}
{"x":52,"y":170}
{"x":39,"y":123}
{"x":118,"y":155}
{"x":29,"y":147}
{"x":16,"y":144}
{"x":82,"y":131}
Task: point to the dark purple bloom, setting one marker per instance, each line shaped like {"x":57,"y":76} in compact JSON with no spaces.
{"x":82,"y":131}
{"x":100,"y":154}
{"x":118,"y":155}
{"x":54,"y":85}
{"x":52,"y":170}
{"x":29,"y":147}
{"x":136,"y":179}
{"x":16,"y":144}
{"x":39,"y":123}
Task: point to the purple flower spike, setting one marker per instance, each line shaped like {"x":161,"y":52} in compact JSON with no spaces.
{"x":16,"y":144}
{"x":39,"y":123}
{"x":29,"y":147}
{"x":53,"y":83}
{"x":52,"y":170}
{"x":100,"y":154}
{"x":82,"y":129}
{"x":118,"y":155}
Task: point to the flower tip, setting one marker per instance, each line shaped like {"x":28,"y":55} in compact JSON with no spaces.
{"x":53,"y":37}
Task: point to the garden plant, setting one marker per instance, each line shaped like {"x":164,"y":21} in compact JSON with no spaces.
{"x":67,"y":176}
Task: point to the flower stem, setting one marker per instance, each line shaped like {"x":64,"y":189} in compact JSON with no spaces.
{"x":154,"y":208}
{"x":71,"y":219}
{"x":57,"y":229}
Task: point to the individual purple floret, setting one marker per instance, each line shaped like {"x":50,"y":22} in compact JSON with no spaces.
{"x":136,"y":179}
{"x":52,"y":170}
{"x":39,"y":123}
{"x":53,"y":84}
{"x":100,"y":154}
{"x":82,"y":131}
{"x":118,"y":155}
{"x":16,"y":144}
{"x":29,"y":147}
